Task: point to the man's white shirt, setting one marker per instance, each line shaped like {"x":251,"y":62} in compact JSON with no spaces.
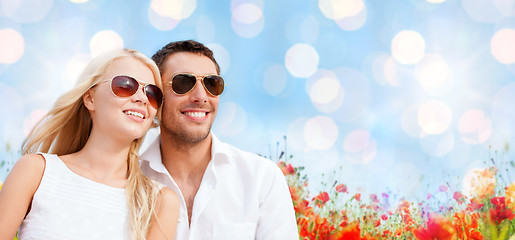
{"x":241,"y":196}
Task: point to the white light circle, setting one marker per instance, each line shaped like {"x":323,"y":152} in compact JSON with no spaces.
{"x":352,"y":23}
{"x":502,"y":46}
{"x":27,"y":11}
{"x":74,"y":68}
{"x":30,"y":122}
{"x":505,"y":7}
{"x":162,"y":23}
{"x":175,"y":9}
{"x":338,"y":9}
{"x":434,"y":117}
{"x":12,"y":46}
{"x":483,"y":11}
{"x":104,"y":41}
{"x":475,"y":127}
{"x":247,"y":13}
{"x":324,"y":90}
{"x":408,"y":47}
{"x":301,"y":60}
{"x":231,"y":119}
{"x":222,"y":56}
{"x":359,"y":147}
{"x":320,"y":132}
{"x":432,"y":72}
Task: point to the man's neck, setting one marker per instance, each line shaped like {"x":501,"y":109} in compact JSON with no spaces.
{"x":186,"y":161}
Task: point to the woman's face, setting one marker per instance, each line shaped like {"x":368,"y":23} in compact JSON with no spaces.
{"x":126,"y":118}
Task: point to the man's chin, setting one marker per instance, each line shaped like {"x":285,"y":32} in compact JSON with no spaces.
{"x":187,"y":137}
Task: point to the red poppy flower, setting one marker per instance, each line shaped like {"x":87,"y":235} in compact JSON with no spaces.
{"x":341,"y":188}
{"x":437,"y":228}
{"x":321,"y":199}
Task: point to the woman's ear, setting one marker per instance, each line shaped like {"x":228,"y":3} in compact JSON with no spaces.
{"x":87,"y":98}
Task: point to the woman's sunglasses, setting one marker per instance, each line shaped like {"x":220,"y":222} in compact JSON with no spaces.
{"x":183,"y":83}
{"x":125,"y":86}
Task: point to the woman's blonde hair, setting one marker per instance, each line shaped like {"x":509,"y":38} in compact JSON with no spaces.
{"x":66,"y":128}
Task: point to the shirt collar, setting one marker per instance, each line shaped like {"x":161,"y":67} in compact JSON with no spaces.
{"x":219,"y":151}
{"x":152,"y":154}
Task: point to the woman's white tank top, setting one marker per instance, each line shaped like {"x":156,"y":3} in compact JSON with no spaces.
{"x":69,"y":206}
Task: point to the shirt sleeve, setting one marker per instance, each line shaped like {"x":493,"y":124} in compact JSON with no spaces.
{"x":277,"y":217}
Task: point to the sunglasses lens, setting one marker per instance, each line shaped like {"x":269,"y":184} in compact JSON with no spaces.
{"x":214,"y":84}
{"x":124,"y":86}
{"x":183,"y":83}
{"x":154,"y":95}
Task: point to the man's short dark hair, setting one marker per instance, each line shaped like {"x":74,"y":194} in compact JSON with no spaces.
{"x":190,"y":46}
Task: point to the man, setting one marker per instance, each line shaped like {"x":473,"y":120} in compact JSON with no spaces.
{"x":225,"y":193}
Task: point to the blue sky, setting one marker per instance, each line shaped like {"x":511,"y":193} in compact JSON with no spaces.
{"x":398,"y":96}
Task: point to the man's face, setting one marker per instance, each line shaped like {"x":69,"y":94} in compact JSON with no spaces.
{"x":188,"y":118}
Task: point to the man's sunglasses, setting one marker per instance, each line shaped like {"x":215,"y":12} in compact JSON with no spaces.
{"x":183,"y":83}
{"x":125,"y":86}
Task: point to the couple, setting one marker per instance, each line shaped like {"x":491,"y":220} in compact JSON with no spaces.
{"x":92,"y":184}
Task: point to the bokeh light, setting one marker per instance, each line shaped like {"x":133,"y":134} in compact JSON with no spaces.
{"x":432,"y":71}
{"x":301,"y":60}
{"x":79,"y":1}
{"x":408,"y":47}
{"x":436,"y":1}
{"x":505,"y":7}
{"x":104,"y":41}
{"x":434,"y":117}
{"x":338,"y":9}
{"x":222,"y":56}
{"x":320,"y":132}
{"x":247,"y":18}
{"x":247,"y":13}
{"x":26,"y":11}
{"x":160,"y":22}
{"x":74,"y":68}
{"x":358,"y":95}
{"x":482,"y":10}
{"x":231,"y":119}
{"x":325,"y":91}
{"x":359,"y":147}
{"x":353,"y":22}
{"x":474,"y":127}
{"x":32,"y":120}
{"x":502,"y":46}
{"x":12,"y":46}
{"x":392,"y":72}
{"x":175,"y":9}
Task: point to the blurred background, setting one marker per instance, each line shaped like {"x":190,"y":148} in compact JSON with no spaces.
{"x":384,"y":96}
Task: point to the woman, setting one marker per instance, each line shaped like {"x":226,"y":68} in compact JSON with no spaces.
{"x":90,"y":185}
